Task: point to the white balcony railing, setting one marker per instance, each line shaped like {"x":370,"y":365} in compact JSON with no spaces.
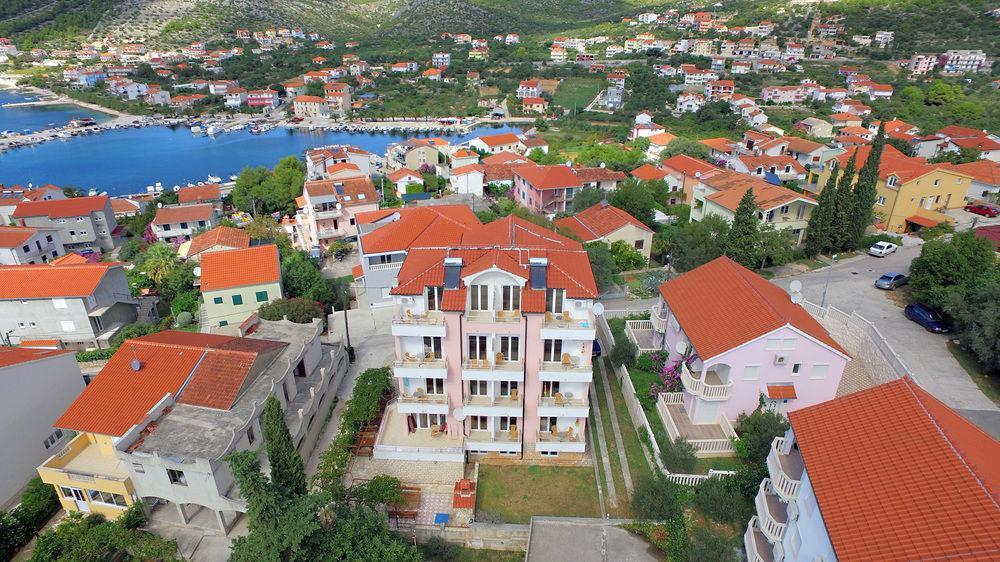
{"x":769,"y":513}
{"x":420,"y":362}
{"x":561,"y":402}
{"x":486,"y":365}
{"x":698,"y":387}
{"x":385,"y":266}
{"x":658,"y":322}
{"x":756,"y":551}
{"x":407,"y":316}
{"x":784,"y":484}
{"x":493,"y":401}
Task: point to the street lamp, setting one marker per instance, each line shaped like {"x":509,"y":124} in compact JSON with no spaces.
{"x":829,"y":274}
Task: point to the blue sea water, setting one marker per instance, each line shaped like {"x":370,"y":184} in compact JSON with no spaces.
{"x":127,"y":160}
{"x":40,"y":117}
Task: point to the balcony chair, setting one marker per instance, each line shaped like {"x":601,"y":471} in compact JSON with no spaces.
{"x":420,"y":395}
{"x":558,"y":398}
{"x":569,"y":434}
{"x":407,"y":358}
{"x":513,"y":394}
{"x":554,"y":431}
{"x":567,"y":361}
{"x":500,"y":316}
{"x":516,"y":314}
{"x":429,"y":356}
{"x":567,"y":317}
{"x":513,"y":433}
{"x":499,"y":358}
{"x":549,"y":317}
{"x":435,"y":430}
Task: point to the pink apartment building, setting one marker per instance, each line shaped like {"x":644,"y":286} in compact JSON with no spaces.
{"x":493,"y":338}
{"x":741,"y":337}
{"x":550,"y":189}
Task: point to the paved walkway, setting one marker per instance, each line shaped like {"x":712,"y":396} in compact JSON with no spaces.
{"x":619,"y":442}
{"x":605,"y":460}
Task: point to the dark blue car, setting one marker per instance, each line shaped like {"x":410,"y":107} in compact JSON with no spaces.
{"x":596,"y":350}
{"x":930,"y":320}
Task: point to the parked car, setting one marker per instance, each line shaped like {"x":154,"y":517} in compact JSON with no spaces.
{"x":596,"y":350}
{"x":891,"y":281}
{"x":882,"y":249}
{"x":930,"y":320}
{"x":984,"y":210}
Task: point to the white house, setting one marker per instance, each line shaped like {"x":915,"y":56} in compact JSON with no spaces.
{"x":468,"y":179}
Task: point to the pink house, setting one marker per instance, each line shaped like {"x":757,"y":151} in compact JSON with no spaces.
{"x":327,"y":208}
{"x":738,"y":337}
{"x":493,"y":338}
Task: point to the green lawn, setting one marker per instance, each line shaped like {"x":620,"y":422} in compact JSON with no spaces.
{"x":466,"y":554}
{"x":515,"y":493}
{"x":989,"y":385}
{"x":630,"y":437}
{"x":577,"y":91}
{"x":622,"y":509}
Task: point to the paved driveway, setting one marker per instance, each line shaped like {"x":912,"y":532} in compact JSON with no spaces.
{"x":926,"y":354}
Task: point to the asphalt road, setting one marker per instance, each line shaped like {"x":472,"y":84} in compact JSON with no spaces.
{"x":850,"y":288}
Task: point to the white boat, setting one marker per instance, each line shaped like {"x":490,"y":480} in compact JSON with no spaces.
{"x":214,"y":179}
{"x":214,"y":129}
{"x":197,"y":130}
{"x":233,"y":178}
{"x":149,"y":189}
{"x":92,"y":192}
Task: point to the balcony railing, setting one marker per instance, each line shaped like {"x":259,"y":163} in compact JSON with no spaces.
{"x":328,"y":214}
{"x":500,"y":436}
{"x":559,"y":436}
{"x":699,"y":387}
{"x":658,"y":320}
{"x":420,"y":398}
{"x":772,"y":514}
{"x":561,"y":401}
{"x":407,"y":316}
{"x":785,"y":469}
{"x":757,"y":547}
{"x":385,"y":266}
{"x":569,"y":365}
{"x":569,"y":320}
{"x":497,"y":401}
{"x":329,"y":232}
{"x":420,"y":362}
{"x":486,"y":365}
{"x":494,"y":316}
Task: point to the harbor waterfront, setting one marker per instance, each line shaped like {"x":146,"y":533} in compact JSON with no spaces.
{"x":126,"y":161}
{"x":39,"y":117}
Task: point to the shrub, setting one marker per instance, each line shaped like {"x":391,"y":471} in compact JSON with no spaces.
{"x":414,"y":188}
{"x":380,"y":490}
{"x":677,"y":540}
{"x":134,"y":517}
{"x":679,"y":455}
{"x":437,"y":548}
{"x":657,"y":498}
{"x":709,"y":543}
{"x":129,"y":249}
{"x":185,"y":302}
{"x":870,"y":240}
{"x":720,"y":502}
{"x":624,"y":352}
{"x":184,"y":318}
{"x":298,"y":310}
{"x":645,"y":363}
{"x":94,"y":355}
{"x":756,"y":432}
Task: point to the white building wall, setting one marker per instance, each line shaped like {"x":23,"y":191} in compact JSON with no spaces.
{"x":806,"y":539}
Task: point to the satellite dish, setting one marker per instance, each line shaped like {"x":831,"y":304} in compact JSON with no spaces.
{"x":197,"y":271}
{"x":795,"y":286}
{"x":339,"y":206}
{"x":458,"y":414}
{"x":797,"y":298}
{"x":681,"y":347}
{"x":159,"y":205}
{"x":598,"y":309}
{"x":136,"y":365}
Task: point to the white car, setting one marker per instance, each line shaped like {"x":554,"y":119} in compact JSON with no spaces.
{"x":882,"y":249}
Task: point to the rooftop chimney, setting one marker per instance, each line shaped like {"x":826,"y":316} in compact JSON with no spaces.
{"x":538,"y":268}
{"x":452,"y":272}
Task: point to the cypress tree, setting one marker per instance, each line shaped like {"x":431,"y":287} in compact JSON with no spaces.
{"x":865,"y":192}
{"x":287,"y":468}
{"x":840,"y":226}
{"x":742,"y":240}
{"x":818,"y":231}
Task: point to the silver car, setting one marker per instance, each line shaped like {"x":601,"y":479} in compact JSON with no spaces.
{"x":891,"y":281}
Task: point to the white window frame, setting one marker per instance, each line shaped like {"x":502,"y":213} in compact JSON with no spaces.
{"x":824,"y":369}
{"x":751,"y":372}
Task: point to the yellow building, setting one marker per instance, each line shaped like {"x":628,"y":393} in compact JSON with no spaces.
{"x":88,"y":477}
{"x":911,"y":193}
{"x":235,"y":283}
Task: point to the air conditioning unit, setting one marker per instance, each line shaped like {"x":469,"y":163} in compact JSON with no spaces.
{"x":780,"y":359}
{"x":406,"y":300}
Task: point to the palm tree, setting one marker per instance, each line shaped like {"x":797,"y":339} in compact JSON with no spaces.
{"x":158,"y":261}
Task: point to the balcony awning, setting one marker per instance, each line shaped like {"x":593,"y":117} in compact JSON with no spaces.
{"x":781,"y":391}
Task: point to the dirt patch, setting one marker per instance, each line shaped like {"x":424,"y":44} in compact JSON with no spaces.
{"x":487,"y":91}
{"x":900,"y":297}
{"x":549,"y":86}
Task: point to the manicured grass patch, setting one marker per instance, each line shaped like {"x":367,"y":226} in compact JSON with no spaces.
{"x":621,"y":510}
{"x":989,"y":385}
{"x":634,"y":452}
{"x":577,"y":91}
{"x":642,"y":381}
{"x":466,"y":554}
{"x":515,"y":493}
{"x":718,"y":463}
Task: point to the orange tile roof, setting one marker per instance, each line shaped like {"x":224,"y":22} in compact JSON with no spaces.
{"x":982,"y":170}
{"x":402,"y":173}
{"x":41,"y":343}
{"x":722,"y":305}
{"x":48,"y":281}
{"x":648,"y":172}
{"x":900,"y":476}
{"x":687,"y":165}
{"x":357,"y":272}
{"x":256,"y":265}
{"x":500,"y":139}
{"x":198,"y":369}
{"x":199,"y":193}
{"x":598,"y":221}
{"x":69,"y":259}
{"x":781,"y":391}
{"x":504,"y":157}
{"x":661,"y":139}
{"x":733,"y":185}
{"x":174,"y":214}
{"x":14,"y":236}
{"x":348,"y":191}
{"x":779,"y":162}
{"x":468,"y":169}
{"x":123,"y":205}
{"x":61,"y":208}
{"x":923,"y":221}
{"x":10,"y":356}
{"x":226,"y":236}
{"x":556,"y":176}
{"x":435,"y":224}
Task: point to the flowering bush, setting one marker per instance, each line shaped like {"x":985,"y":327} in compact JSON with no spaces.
{"x":669,"y":374}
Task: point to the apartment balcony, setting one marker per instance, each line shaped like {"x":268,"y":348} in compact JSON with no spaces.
{"x":419,"y":402}
{"x":772,"y":513}
{"x":492,"y":316}
{"x":397,"y":440}
{"x":409,"y":323}
{"x":708,"y":439}
{"x":641,"y":332}
{"x":328,"y":214}
{"x":498,"y":370}
{"x":784,"y":465}
{"x":411,"y":366}
{"x":477,"y":405}
{"x":560,"y":442}
{"x":658,"y":319}
{"x":707,"y":386}
{"x":569,"y":325}
{"x":566,"y":405}
{"x":81,"y":463}
{"x":570,"y":369}
{"x":756,"y":544}
{"x":327,"y":233}
{"x":506,"y":441}
{"x":385,"y":266}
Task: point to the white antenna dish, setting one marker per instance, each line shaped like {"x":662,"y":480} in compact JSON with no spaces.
{"x":598,"y":309}
{"x":159,"y":205}
{"x":795,"y":286}
{"x":797,"y":298}
{"x":136,"y":365}
{"x":681,"y":347}
{"x":458,"y":414}
{"x":339,"y":206}
{"x":197,"y":271}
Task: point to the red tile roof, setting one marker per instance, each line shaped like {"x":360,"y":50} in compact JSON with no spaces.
{"x":722,"y":305}
{"x":648,"y":172}
{"x":779,"y":162}
{"x":598,"y":221}
{"x":403,"y":173}
{"x":504,"y":157}
{"x":123,"y":205}
{"x":10,"y":356}
{"x":900,"y":476}
{"x":468,"y":169}
{"x":982,"y":170}
{"x":199,"y":193}
{"x":781,"y":391}
{"x":15,"y":236}
{"x":688,"y":166}
{"x":348,"y":191}
{"x":422,"y":226}
{"x":991,"y":233}
{"x":175,"y":214}
{"x":71,"y":258}
{"x":732,"y":186}
{"x":48,"y":281}
{"x":500,"y":139}
{"x":556,"y":176}
{"x":213,"y":367}
{"x":226,"y":236}
{"x":62,"y":208}
{"x":256,"y":265}
{"x":661,"y":139}
{"x":959,"y":132}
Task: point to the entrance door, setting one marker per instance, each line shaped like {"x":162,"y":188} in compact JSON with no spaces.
{"x":80,"y":499}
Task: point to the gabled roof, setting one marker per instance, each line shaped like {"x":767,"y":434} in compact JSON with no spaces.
{"x":982,"y":170}
{"x":959,"y":132}
{"x":732,"y":185}
{"x":722,"y":305}
{"x":425,"y":226}
{"x":257,"y":265}
{"x":648,"y":172}
{"x":10,"y":356}
{"x":50,"y":281}
{"x":504,"y":157}
{"x":765,"y":161}
{"x":687,"y":165}
{"x":555,"y":176}
{"x":199,"y":193}
{"x":720,"y":144}
{"x":348,"y":191}
{"x":61,"y":208}
{"x":468,"y":169}
{"x":598,"y":221}
{"x":15,"y":236}
{"x":402,"y":173}
{"x":225,"y":236}
{"x":499,"y":139}
{"x":199,"y":369}
{"x":900,"y":476}
{"x":173,"y":214}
